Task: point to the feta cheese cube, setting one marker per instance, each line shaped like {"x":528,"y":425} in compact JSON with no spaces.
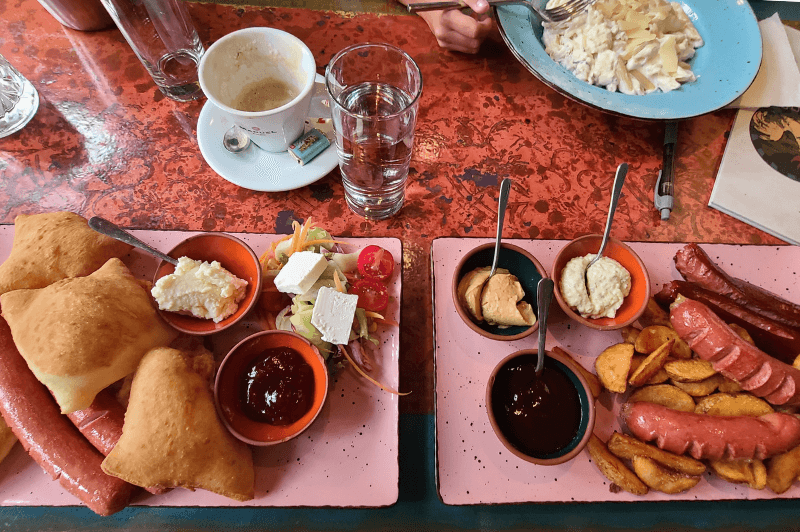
{"x":333,"y":315}
{"x":300,"y":272}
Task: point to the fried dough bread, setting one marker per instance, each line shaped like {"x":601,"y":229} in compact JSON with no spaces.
{"x":82,"y":334}
{"x":172,"y":435}
{"x":53,"y":246}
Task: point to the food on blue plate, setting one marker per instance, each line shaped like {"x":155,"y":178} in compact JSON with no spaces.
{"x":82,"y":334}
{"x":172,"y":437}
{"x":53,"y":246}
{"x":633,"y":46}
{"x":497,"y":300}
{"x":202,"y":289}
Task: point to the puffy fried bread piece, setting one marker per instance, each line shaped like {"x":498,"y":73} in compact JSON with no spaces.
{"x":172,"y":436}
{"x":80,"y":335}
{"x":53,"y":246}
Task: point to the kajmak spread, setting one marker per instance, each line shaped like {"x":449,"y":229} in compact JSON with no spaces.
{"x":203,"y":289}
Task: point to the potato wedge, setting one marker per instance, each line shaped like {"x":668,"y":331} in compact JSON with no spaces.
{"x":650,"y":338}
{"x":662,"y":479}
{"x":742,"y":332}
{"x":689,"y":370}
{"x":629,"y":334}
{"x":654,"y":315}
{"x":650,"y":366}
{"x":612,"y":467}
{"x":665,"y":395}
{"x":750,"y":472}
{"x":729,"y":386}
{"x":613,"y":365}
{"x":699,"y":389}
{"x":658,"y":378}
{"x":591,"y":379}
{"x":627,"y":447}
{"x":727,"y":404}
{"x":783,"y":470}
{"x":796,"y":362}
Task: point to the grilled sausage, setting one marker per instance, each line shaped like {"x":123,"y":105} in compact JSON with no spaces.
{"x":50,"y":438}
{"x":697,"y":267}
{"x":776,"y":339}
{"x":713,"y":437}
{"x":755,"y":371}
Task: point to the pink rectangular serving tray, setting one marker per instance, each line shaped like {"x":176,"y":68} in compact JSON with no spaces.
{"x":473,"y":467}
{"x":347,"y":458}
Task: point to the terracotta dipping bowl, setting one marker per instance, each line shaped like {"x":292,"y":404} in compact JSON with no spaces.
{"x":229,"y":381}
{"x":518,"y":262}
{"x":634,"y":304}
{"x":235,"y":256}
{"x":586,"y":417}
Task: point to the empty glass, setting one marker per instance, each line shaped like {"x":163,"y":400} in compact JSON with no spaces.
{"x":162,"y":36}
{"x":18,"y":99}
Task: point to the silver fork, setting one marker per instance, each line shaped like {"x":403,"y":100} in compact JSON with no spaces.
{"x":556,"y":14}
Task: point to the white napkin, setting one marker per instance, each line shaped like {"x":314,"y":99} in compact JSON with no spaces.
{"x":778,"y":80}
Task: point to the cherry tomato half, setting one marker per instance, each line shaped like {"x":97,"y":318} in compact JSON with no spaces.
{"x":372,"y":295}
{"x":374,"y":262}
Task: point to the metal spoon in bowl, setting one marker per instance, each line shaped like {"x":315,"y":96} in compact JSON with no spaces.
{"x":544,"y":295}
{"x":235,"y":140}
{"x":505,"y":187}
{"x":619,"y":180}
{"x":101,"y":225}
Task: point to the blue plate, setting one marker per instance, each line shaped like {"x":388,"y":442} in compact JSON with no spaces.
{"x":725,"y":65}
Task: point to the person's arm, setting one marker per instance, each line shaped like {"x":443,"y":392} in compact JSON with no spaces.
{"x":457,"y":31}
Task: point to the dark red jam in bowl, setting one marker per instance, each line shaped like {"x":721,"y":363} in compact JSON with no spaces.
{"x":277,"y":387}
{"x":539,"y":416}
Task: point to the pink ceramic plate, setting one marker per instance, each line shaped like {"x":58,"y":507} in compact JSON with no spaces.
{"x":348,"y":457}
{"x":473,"y":467}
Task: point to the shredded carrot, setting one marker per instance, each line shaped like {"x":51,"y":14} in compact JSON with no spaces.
{"x":265,"y":256}
{"x":297,"y":228}
{"x":304,"y":234}
{"x":383,"y":387}
{"x":338,"y":283}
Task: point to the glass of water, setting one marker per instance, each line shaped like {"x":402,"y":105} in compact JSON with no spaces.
{"x":162,"y":36}
{"x":375,"y":91}
{"x":19,"y":100}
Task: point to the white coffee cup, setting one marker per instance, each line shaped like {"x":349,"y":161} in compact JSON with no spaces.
{"x":240,"y":60}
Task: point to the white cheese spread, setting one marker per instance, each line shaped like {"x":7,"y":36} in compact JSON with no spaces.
{"x":206,"y":290}
{"x":634,"y":46}
{"x":608,"y":285}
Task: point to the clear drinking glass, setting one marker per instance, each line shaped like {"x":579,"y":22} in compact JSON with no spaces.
{"x":375,"y":90}
{"x":162,"y":36}
{"x":19,"y":99}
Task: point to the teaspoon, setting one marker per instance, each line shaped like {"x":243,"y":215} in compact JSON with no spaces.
{"x":544,"y":295}
{"x":235,"y":140}
{"x":101,"y":225}
{"x":619,"y":180}
{"x":505,"y":187}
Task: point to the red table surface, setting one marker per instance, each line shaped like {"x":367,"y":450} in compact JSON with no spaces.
{"x":105,"y":141}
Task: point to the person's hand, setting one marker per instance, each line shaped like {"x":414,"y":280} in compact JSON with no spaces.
{"x":457,"y":31}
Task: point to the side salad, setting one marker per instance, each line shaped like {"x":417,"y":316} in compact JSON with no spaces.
{"x":334,"y":299}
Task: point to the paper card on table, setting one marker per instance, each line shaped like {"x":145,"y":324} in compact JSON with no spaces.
{"x":758,"y":181}
{"x":778,"y":79}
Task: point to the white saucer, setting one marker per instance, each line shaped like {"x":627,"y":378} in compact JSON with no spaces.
{"x":256,"y":169}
